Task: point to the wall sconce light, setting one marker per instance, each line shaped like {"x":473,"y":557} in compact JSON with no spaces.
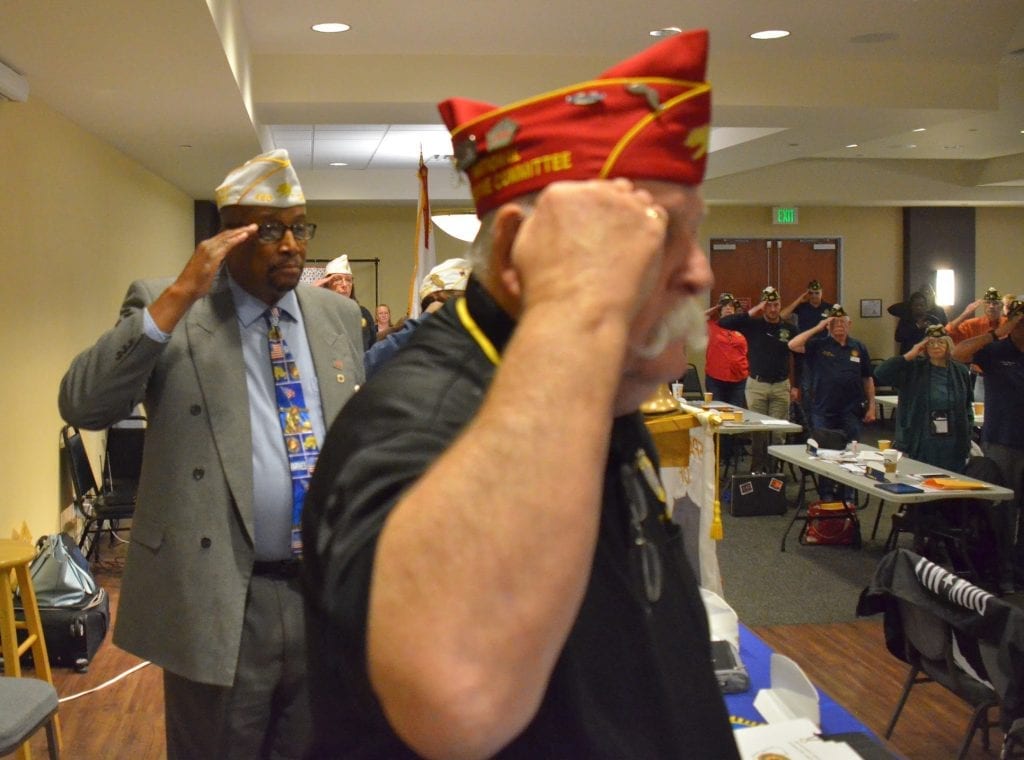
{"x":462,"y":225}
{"x":945,"y":287}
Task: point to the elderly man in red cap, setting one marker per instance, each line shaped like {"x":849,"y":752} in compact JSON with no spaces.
{"x":241,"y":370}
{"x":492,"y":571}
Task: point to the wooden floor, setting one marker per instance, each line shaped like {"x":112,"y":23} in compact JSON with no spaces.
{"x":847,"y":660}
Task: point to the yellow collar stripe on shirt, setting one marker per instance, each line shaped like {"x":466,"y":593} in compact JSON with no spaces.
{"x":474,"y":330}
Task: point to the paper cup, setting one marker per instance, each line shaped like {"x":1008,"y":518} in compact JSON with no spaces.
{"x":890,"y":457}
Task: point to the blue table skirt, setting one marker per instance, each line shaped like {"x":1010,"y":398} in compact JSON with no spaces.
{"x":756,"y":656}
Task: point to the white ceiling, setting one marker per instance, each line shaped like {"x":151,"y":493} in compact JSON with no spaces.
{"x":190,"y":88}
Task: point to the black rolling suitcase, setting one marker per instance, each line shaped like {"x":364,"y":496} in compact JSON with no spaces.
{"x":73,"y":609}
{"x":74,"y":635}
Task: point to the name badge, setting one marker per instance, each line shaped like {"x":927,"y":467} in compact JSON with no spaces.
{"x":940,"y":423}
{"x":855,"y":359}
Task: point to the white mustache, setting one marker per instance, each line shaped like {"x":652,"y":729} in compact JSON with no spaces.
{"x":686,"y":321}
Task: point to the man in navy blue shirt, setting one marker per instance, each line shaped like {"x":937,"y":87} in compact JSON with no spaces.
{"x":843,"y":390}
{"x":808,"y":309}
{"x":1000,"y":354}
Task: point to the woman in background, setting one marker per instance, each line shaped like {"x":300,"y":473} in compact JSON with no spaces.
{"x":935,"y":413}
{"x":384,"y":324}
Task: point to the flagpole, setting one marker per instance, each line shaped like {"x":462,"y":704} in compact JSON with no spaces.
{"x":423,"y":248}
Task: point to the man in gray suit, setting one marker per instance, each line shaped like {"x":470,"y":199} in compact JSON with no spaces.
{"x":210,"y":591}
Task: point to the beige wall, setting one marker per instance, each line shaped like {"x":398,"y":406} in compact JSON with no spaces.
{"x":384,"y":232}
{"x":999,"y":243}
{"x":871,"y":264}
{"x":79,"y":221}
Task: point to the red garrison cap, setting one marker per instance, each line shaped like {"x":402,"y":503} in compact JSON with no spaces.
{"x":648,"y":117}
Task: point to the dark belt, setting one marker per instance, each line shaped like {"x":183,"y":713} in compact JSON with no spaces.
{"x":761,"y":379}
{"x":278,"y":568}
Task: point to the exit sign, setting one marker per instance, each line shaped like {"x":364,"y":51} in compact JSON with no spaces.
{"x":785,"y":215}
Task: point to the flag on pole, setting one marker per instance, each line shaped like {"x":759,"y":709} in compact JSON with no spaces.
{"x":424,"y":256}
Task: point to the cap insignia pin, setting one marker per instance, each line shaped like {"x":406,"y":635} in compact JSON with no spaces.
{"x":466,"y":153}
{"x":647,"y":92}
{"x":588,"y":98}
{"x":501,"y":134}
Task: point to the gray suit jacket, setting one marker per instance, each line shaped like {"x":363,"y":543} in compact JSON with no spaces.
{"x":191,"y":552}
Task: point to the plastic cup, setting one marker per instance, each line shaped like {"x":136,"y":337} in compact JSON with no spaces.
{"x":891,"y":457}
{"x":677,"y":390}
{"x":707,"y":398}
{"x":979,"y":408}
{"x":884,"y":443}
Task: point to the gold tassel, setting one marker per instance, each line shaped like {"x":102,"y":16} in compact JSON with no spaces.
{"x":717,"y":533}
{"x":716,"y":523}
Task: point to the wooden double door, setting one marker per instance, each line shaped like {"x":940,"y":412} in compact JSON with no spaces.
{"x":744,"y":266}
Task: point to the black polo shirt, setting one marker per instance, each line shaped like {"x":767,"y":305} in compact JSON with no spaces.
{"x":634,"y":678}
{"x":767,"y":345}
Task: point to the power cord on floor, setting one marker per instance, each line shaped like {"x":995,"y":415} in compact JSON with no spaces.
{"x":105,"y":684}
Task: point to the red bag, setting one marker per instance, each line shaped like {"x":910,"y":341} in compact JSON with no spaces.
{"x":833,"y":523}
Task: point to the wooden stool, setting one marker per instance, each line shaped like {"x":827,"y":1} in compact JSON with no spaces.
{"x":16,"y":556}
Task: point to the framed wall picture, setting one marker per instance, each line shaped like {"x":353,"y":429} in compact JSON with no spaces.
{"x":871,"y":307}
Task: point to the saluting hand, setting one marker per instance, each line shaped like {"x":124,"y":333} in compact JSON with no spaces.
{"x":197,"y":277}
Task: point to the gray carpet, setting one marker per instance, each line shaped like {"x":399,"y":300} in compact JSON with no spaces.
{"x":804,"y":584}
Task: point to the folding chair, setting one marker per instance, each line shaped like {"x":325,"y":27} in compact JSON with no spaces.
{"x":953,"y":633}
{"x":104,"y":511}
{"x":27,"y":704}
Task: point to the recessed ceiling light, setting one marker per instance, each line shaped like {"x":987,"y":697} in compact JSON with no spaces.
{"x":853,"y":145}
{"x":338,"y":163}
{"x":331,"y":27}
{"x":921,"y":129}
{"x":667,"y":31}
{"x":770,"y":34}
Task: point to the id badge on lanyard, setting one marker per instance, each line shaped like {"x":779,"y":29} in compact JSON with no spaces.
{"x":940,"y":422}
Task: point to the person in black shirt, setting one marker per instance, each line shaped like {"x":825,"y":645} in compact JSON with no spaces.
{"x":490,"y":570}
{"x":1000,"y":354}
{"x":771,"y":364}
{"x":915,"y":314}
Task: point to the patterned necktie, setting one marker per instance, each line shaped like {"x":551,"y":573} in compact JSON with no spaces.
{"x":299,"y":440}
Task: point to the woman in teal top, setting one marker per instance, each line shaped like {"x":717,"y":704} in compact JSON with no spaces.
{"x":935,"y":414}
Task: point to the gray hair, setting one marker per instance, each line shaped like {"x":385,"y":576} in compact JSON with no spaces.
{"x":479,"y":253}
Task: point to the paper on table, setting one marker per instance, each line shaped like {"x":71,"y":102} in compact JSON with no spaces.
{"x":774,"y":422}
{"x":870,"y":456}
{"x":793,"y":738}
{"x":792,"y":695}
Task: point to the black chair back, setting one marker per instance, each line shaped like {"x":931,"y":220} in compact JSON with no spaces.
{"x":83,"y":481}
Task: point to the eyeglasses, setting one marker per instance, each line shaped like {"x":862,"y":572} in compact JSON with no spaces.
{"x":650,"y":559}
{"x":272,"y":232}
